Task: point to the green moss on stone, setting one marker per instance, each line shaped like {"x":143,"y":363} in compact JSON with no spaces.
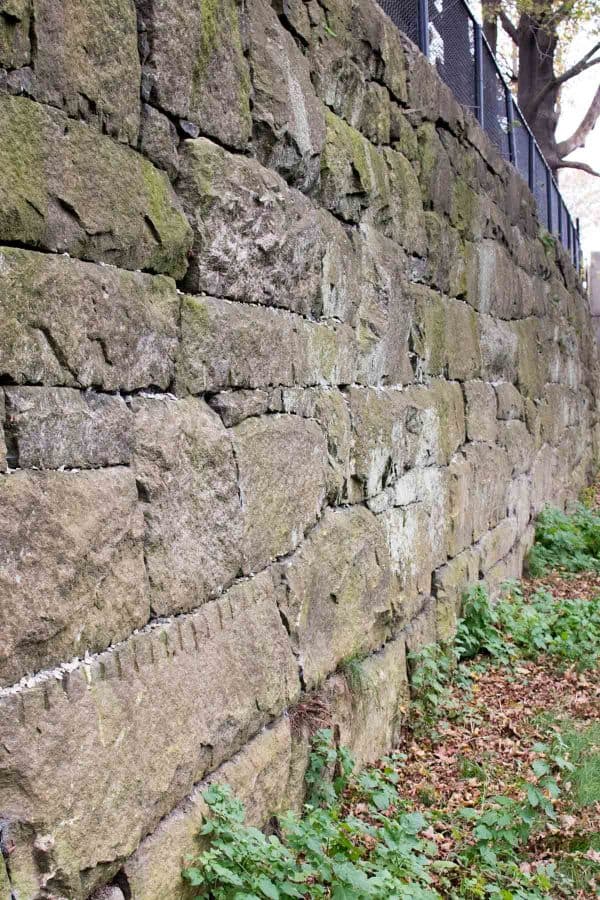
{"x":23,"y":187}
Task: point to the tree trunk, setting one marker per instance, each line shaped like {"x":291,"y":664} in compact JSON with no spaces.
{"x":489,"y":10}
{"x":537,"y":99}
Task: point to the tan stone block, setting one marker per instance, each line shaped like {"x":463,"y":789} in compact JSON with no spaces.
{"x":497,"y":544}
{"x":450,"y":582}
{"x":480,"y":400}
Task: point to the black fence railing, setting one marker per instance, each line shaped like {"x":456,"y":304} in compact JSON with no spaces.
{"x":452,"y":39}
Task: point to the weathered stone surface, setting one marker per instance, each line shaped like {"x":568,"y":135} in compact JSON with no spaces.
{"x":235,"y":406}
{"x":422,"y":630}
{"x":64,"y":187}
{"x":159,"y":140}
{"x":186,"y":475}
{"x":368,"y":702}
{"x":235,"y":345}
{"x":257,"y":775}
{"x":72,"y":575}
{"x":338,"y":598}
{"x":384,"y":313}
{"x":481,"y":407}
{"x":532,"y":369}
{"x":54,"y":427}
{"x":518,"y":443}
{"x":3,"y":459}
{"x":289,"y":121}
{"x":498,"y":344}
{"x":282,"y":464}
{"x":15,"y":30}
{"x":495,"y":285}
{"x":450,"y":583}
{"x":490,"y":474}
{"x":444,"y":336}
{"x":397,"y":429}
{"x":510,"y":402}
{"x":65,"y":322}
{"x":87,"y":62}
{"x":328,"y":406}
{"x":496,"y":544}
{"x":194,"y":66}
{"x":446,"y":264}
{"x":95,"y":759}
{"x":255,"y":239}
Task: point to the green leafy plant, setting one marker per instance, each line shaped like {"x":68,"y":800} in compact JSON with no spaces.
{"x":568,"y":542}
{"x":431,"y":698}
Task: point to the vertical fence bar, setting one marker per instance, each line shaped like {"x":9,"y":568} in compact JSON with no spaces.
{"x":531,"y":163}
{"x":578,"y":233}
{"x":423,"y":23}
{"x":560,"y":219}
{"x":478,"y":48}
{"x":549,"y":199}
{"x":510,"y":116}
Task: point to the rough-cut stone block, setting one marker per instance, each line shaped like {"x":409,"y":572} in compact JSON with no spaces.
{"x":422,"y":630}
{"x":87,"y":61}
{"x":282,"y":464}
{"x":459,"y":500}
{"x":159,"y":140}
{"x":487,"y":488}
{"x":498,"y":344}
{"x":450,"y":583}
{"x":235,"y":406}
{"x":446,"y":267}
{"x":385,"y":311}
{"x":65,"y":322}
{"x":329,"y":408}
{"x":445,"y":336}
{"x":72,"y":576}
{"x":255,"y":239}
{"x":235,"y":345}
{"x":495,"y":285}
{"x":480,"y":400}
{"x":64,"y":187}
{"x":368,"y":702}
{"x":54,"y":427}
{"x":496,"y":544}
{"x":532,"y":368}
{"x":194,"y":66}
{"x":186,"y":474}
{"x":257,"y":776}
{"x":289,"y":122}
{"x":518,"y":443}
{"x":338,"y":598}
{"x":3,"y":451}
{"x":94,"y":763}
{"x":397,"y":429}
{"x":15,"y":34}
{"x":510,"y":402}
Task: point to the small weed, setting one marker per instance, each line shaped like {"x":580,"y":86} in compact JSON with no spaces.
{"x":570,"y":543}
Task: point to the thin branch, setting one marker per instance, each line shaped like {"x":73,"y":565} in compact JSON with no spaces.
{"x":573,"y":164}
{"x":587,"y":124}
{"x":509,"y":28}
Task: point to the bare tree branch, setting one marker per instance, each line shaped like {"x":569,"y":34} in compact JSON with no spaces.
{"x":579,"y":136}
{"x":509,"y":28}
{"x":575,"y":164}
{"x":584,"y":63}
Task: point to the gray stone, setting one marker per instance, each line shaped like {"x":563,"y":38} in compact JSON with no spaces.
{"x":510,"y":402}
{"x":54,"y":427}
{"x":518,"y":443}
{"x":338,"y":599}
{"x":186,"y":475}
{"x":72,"y":575}
{"x":95,"y":762}
{"x":235,"y":345}
{"x":87,"y":62}
{"x":289,"y":122}
{"x":65,"y":322}
{"x":282,"y":465}
{"x":496,"y":544}
{"x":256,"y":240}
{"x":450,"y":583}
{"x":235,"y":406}
{"x":66,"y":188}
{"x":444,"y":336}
{"x":498,"y":349}
{"x":3,"y":460}
{"x":481,"y":407}
{"x":15,"y":31}
{"x":159,"y":141}
{"x":194,"y":65}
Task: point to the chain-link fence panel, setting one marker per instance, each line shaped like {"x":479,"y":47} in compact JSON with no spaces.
{"x":539,"y":185}
{"x":521,"y":139}
{"x":495,"y":118}
{"x":554,"y":206}
{"x":405,"y":15}
{"x":452,"y":48}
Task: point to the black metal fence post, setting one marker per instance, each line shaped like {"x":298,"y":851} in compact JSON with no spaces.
{"x":478,"y":53}
{"x":423,"y":17}
{"x":549,"y":199}
{"x":510,"y":116}
{"x":531,"y":172}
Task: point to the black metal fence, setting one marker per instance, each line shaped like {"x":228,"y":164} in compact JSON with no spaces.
{"x":449,"y":35}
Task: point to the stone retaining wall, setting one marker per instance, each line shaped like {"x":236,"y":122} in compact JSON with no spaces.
{"x":286,"y":363}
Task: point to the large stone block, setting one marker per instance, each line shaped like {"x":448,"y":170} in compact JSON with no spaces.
{"x":385,"y":311}
{"x":518,"y":443}
{"x":497,"y":544}
{"x":72,"y":578}
{"x":397,"y":429}
{"x":289,"y":121}
{"x":194,"y":65}
{"x":338,"y":598}
{"x":486,"y":491}
{"x":87,"y":62}
{"x":235,"y":345}
{"x":255,"y":239}
{"x":499,"y":349}
{"x":92,"y":761}
{"x":257,"y":775}
{"x":481,"y":407}
{"x":54,"y":427}
{"x":282,"y":465}
{"x":3,"y":450}
{"x":66,"y":188}
{"x":15,"y":34}
{"x":445,"y":336}
{"x":65,"y":322}
{"x":186,"y":474}
{"x":450,"y":583}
